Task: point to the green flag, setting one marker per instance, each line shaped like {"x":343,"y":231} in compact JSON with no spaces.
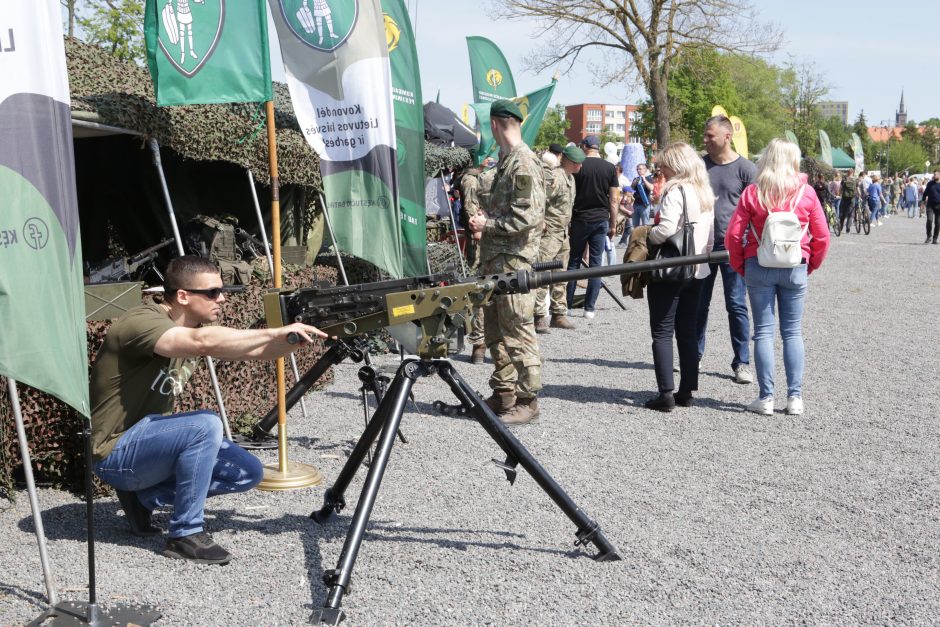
{"x":859,"y":153}
{"x":825,"y":148}
{"x":336,"y":60}
{"x":42,"y":304}
{"x":489,"y":71}
{"x":208,"y":52}
{"x":791,"y":136}
{"x":533,"y":107}
{"x":409,"y":131}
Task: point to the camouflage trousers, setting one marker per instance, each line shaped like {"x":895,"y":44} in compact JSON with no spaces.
{"x":472,"y":250}
{"x":509,"y":331}
{"x":555,"y":247}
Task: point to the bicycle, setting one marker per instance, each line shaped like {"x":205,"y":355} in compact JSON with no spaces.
{"x":862,"y":218}
{"x":832,"y":219}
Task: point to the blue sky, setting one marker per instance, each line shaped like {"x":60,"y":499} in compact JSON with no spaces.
{"x":868,"y":51}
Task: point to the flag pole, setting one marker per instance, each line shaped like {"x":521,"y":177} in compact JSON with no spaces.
{"x":267,"y":252}
{"x":158,"y":163}
{"x":453,"y":224}
{"x":284,"y":475}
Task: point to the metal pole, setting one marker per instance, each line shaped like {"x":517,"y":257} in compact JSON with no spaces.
{"x":267,"y":252}
{"x":453,"y":224}
{"x":329,"y":227}
{"x":31,"y":490}
{"x":158,"y":163}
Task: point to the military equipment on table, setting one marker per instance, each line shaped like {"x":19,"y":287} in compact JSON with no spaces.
{"x":123,"y":268}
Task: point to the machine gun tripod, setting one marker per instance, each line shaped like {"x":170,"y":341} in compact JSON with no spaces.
{"x":438,"y":305}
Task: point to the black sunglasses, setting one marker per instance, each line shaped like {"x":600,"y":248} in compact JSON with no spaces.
{"x":212,"y":293}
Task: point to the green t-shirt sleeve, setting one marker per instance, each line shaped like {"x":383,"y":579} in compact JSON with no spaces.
{"x":140,"y":330}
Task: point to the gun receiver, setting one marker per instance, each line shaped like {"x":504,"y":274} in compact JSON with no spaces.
{"x":439,"y":303}
{"x":119,"y":268}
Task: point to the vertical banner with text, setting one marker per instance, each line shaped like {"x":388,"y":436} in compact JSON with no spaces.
{"x":336,"y":61}
{"x":42,"y":302}
{"x":489,"y":71}
{"x":208,"y":52}
{"x":409,"y":131}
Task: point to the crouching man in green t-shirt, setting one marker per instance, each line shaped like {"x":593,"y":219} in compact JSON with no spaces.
{"x":150,"y":455}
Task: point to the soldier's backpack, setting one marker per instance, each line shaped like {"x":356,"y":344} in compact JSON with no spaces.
{"x":849,"y":187}
{"x":781,"y":243}
{"x":215,"y":239}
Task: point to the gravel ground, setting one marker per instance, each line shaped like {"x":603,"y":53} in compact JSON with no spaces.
{"x":721,"y":516}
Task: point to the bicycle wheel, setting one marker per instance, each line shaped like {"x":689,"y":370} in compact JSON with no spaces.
{"x":866,"y":224}
{"x":858,"y":223}
{"x":838,"y":227}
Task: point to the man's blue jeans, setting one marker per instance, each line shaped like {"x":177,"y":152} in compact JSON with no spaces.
{"x":593,"y":234}
{"x":736,"y":305}
{"x":180,"y":460}
{"x":785,"y":288}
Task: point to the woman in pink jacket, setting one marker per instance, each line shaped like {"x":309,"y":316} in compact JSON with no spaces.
{"x":779,"y":187}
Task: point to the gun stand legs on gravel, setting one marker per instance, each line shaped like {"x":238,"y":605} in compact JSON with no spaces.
{"x":385,"y":421}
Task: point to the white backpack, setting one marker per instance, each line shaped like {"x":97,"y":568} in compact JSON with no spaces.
{"x":781,"y":244}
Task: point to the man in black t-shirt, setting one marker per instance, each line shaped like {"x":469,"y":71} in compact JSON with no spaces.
{"x":593,"y":218}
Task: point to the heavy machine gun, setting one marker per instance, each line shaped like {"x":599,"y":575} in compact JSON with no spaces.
{"x":122,"y":268}
{"x":434,"y":307}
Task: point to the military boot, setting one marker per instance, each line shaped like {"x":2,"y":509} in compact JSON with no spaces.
{"x":525,"y":411}
{"x":541,"y":324}
{"x":478,"y":354}
{"x":501,"y":402}
{"x":560,"y":321}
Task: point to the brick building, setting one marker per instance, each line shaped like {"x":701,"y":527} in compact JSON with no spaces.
{"x":597,"y":119}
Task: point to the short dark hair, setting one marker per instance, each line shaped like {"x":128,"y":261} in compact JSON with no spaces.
{"x":181,"y":270}
{"x":721,"y":121}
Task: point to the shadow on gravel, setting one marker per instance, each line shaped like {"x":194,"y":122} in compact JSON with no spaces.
{"x":29,"y":596}
{"x":605,"y":363}
{"x":580,"y":393}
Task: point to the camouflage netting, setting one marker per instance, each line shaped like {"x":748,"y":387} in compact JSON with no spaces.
{"x":52,"y":428}
{"x":117,"y":93}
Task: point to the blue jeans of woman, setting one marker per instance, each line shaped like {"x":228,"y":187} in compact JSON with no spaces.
{"x":877,"y":210}
{"x":770,"y":289}
{"x":179,"y":459}
{"x":594,"y":235}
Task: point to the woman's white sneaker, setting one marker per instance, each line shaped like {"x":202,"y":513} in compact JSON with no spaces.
{"x":795,"y":406}
{"x":764,"y":406}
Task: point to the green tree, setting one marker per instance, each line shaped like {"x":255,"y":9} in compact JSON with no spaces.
{"x":804,"y":89}
{"x":553,"y":128}
{"x":759,"y":85}
{"x":904,"y":156}
{"x":701,"y":81}
{"x":641,"y":41}
{"x":116,"y":25}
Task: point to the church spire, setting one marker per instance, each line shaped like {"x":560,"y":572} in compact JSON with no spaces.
{"x":900,"y":116}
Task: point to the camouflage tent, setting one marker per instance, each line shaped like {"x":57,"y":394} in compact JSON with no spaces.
{"x":206,"y":150}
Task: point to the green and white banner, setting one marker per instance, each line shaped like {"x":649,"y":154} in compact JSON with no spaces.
{"x":409,"y":129}
{"x":858,"y":152}
{"x":489,"y":71}
{"x":533,"y":107}
{"x":42,"y":303}
{"x":336,"y":61}
{"x":208,"y":51}
{"x":825,"y":148}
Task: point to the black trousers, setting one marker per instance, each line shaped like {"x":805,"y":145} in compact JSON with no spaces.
{"x":845,"y":213}
{"x":674,"y":312}
{"x":933,"y":220}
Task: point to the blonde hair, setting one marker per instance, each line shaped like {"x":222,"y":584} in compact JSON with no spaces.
{"x":690,"y":173}
{"x":778,"y":174}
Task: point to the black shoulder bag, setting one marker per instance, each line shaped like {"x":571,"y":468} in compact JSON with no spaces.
{"x":680,"y":244}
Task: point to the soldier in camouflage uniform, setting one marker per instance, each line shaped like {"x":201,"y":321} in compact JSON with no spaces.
{"x":474,"y":187}
{"x":559,"y":199}
{"x":511,"y":233}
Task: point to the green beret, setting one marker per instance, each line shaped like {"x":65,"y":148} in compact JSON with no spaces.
{"x":505,"y":109}
{"x":573,"y":153}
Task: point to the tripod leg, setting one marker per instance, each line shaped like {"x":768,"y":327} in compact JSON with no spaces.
{"x":377,"y":384}
{"x":334,"y":499}
{"x":338,"y":580}
{"x":588,"y":530}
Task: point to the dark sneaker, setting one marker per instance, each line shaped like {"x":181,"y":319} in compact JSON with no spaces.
{"x":198,"y":548}
{"x":138,"y":516}
{"x":664,"y":402}
{"x":683,"y":399}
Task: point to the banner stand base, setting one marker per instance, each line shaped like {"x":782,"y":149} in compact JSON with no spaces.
{"x":76,"y":613}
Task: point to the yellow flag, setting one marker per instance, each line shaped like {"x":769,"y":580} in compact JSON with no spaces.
{"x":719,"y":110}
{"x":739,"y":136}
{"x":465,"y":114}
